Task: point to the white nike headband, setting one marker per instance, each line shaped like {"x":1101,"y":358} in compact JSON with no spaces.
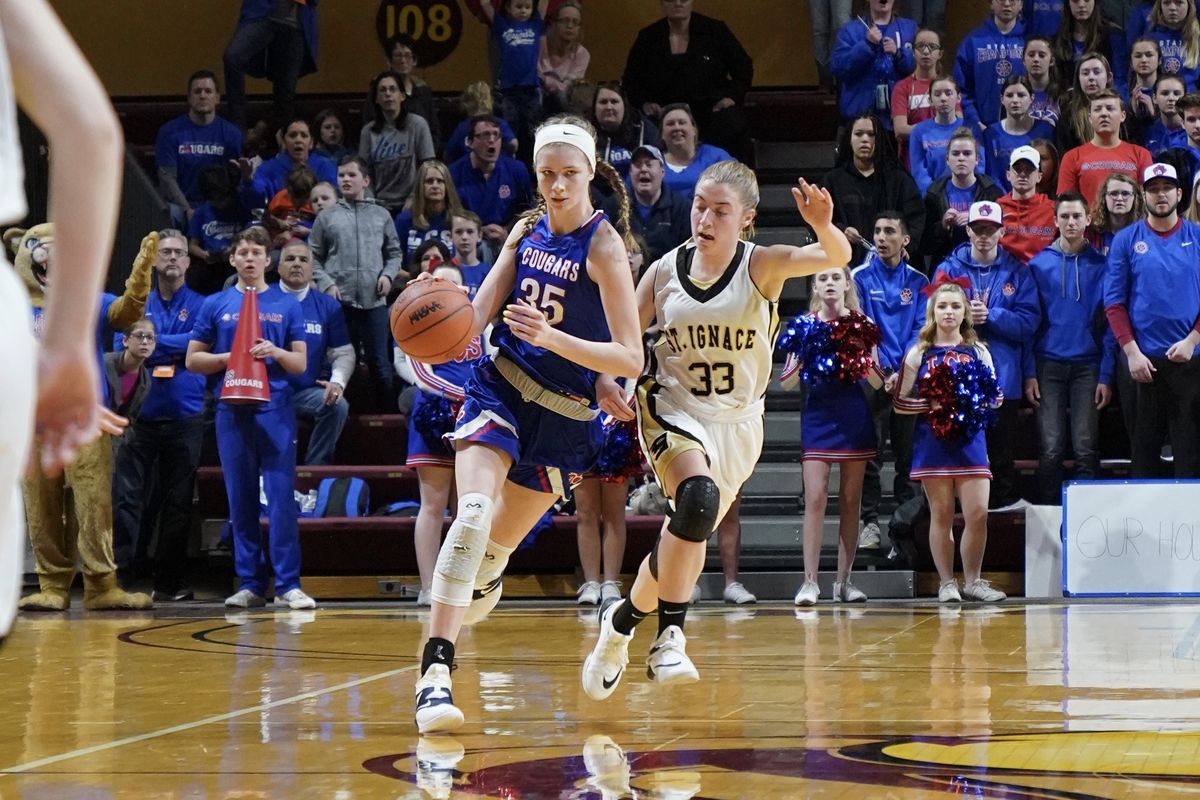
{"x":573,"y":135}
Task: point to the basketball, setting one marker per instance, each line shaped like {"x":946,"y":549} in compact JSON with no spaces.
{"x":432,"y":320}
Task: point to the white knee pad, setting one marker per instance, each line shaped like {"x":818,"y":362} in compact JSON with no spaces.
{"x":463,"y":551}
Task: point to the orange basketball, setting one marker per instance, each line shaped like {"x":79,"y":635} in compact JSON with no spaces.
{"x":432,"y":320}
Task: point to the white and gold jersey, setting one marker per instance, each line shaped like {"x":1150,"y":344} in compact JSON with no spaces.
{"x":713,"y":352}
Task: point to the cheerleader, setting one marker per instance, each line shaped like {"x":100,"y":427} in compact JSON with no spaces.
{"x":949,"y":466}
{"x":432,"y":416}
{"x":600,"y":508}
{"x":835,"y":427}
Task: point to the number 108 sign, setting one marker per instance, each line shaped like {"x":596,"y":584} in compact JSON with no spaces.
{"x":435,"y":27}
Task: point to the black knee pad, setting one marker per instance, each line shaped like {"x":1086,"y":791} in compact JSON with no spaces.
{"x":697,"y":500}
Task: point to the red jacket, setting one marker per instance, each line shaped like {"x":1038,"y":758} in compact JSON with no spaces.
{"x":1028,"y":225}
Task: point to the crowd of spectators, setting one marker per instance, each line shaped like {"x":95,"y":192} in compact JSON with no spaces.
{"x":1101,"y":113}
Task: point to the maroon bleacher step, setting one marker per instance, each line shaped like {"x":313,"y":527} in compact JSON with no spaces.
{"x":384,"y":545}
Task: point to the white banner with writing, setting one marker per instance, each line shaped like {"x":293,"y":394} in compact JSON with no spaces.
{"x":1131,"y":538}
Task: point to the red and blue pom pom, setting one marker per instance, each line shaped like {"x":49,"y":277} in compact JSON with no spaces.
{"x":839,"y":350}
{"x":966,"y":393}
{"x":621,"y":456}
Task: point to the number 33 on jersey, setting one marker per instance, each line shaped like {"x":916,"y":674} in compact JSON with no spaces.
{"x":715,"y":340}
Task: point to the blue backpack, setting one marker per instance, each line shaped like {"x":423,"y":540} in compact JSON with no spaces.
{"x":342,"y":497}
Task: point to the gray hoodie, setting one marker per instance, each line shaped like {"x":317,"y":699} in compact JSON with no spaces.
{"x":353,"y":244}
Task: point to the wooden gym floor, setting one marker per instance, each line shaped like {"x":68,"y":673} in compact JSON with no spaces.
{"x":894,"y":700}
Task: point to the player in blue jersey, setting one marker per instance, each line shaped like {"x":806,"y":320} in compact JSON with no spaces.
{"x":530,"y":414}
{"x":254,"y":440}
{"x":947,"y":467}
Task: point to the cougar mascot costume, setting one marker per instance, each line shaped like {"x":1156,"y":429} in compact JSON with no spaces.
{"x":70,"y":517}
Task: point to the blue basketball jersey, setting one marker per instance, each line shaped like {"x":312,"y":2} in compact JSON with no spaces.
{"x":552,"y":275}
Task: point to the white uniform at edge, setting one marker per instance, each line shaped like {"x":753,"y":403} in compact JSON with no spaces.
{"x":18,"y":359}
{"x":713,"y":356}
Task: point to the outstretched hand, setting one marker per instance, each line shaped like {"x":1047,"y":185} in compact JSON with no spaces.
{"x":814,"y":204}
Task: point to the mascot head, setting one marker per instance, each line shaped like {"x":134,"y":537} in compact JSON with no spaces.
{"x":31,"y":256}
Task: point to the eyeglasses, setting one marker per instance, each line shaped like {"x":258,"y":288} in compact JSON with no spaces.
{"x":142,"y":337}
{"x":1120,"y":195}
{"x":568,"y":22}
{"x":928,"y":48}
{"x":405,"y":56}
{"x":487,"y":136}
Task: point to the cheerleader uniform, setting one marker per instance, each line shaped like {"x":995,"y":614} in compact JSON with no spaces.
{"x":439,"y":383}
{"x":836,"y":423}
{"x":945,"y":458}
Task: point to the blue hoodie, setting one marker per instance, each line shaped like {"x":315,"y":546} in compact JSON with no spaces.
{"x":1157,"y":280}
{"x":1159,"y":137}
{"x":891,"y":296}
{"x":861,"y":66}
{"x":1041,"y":17}
{"x":1007,"y":288}
{"x":1071,"y":290}
{"x":1173,"y":48}
{"x":985,"y":58}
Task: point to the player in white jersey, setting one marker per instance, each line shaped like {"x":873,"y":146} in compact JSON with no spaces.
{"x":700,"y":405}
{"x":43,"y":70}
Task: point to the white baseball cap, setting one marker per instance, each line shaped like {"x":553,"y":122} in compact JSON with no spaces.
{"x":985,"y":211}
{"x":1164,"y":171}
{"x":1025,"y":153}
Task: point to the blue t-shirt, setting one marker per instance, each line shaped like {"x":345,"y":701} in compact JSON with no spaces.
{"x":412,"y":237}
{"x":505,"y":193}
{"x":281,"y":321}
{"x":683,"y":181}
{"x":517,"y":43}
{"x":324,"y":327}
{"x":1144,"y":270}
{"x":215,"y":227}
{"x":187,"y":148}
{"x":473,"y":276}
{"x":959,"y":199}
{"x":272,"y":176}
